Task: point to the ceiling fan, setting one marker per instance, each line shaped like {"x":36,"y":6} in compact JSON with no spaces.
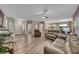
{"x":43,"y":15}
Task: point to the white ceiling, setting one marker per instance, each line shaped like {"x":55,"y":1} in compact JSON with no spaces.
{"x":28,"y":11}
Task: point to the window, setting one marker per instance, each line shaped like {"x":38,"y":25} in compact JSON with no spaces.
{"x":61,"y":25}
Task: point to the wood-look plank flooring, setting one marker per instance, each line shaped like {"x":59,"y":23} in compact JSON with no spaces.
{"x":34,"y":45}
{"x":31,"y":45}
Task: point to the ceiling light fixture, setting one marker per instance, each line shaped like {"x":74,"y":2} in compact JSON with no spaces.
{"x":43,"y":17}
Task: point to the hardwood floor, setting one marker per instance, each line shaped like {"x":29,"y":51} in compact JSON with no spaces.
{"x":31,"y":45}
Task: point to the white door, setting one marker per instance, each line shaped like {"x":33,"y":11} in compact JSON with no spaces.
{"x":77,"y":26}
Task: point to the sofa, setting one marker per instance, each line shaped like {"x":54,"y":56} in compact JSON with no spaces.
{"x":68,"y":46}
{"x":55,"y":48}
{"x":74,"y":44}
{"x":62,"y":44}
{"x":51,"y":35}
{"x":59,"y":46}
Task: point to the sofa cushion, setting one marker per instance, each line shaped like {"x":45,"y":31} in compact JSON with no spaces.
{"x":59,"y":44}
{"x":52,"y":50}
{"x":50,"y":36}
{"x":74,"y":44}
{"x":62,"y":36}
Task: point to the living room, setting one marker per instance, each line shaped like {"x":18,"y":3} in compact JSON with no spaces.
{"x":39,"y":29}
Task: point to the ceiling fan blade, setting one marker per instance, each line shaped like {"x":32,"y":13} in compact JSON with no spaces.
{"x":37,"y":15}
{"x":45,"y":12}
{"x":46,"y":17}
{"x":43,"y":15}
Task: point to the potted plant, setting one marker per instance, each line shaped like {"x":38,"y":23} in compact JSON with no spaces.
{"x":3,"y":35}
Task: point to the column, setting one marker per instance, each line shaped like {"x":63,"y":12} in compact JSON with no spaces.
{"x":26,"y":31}
{"x":29,"y":31}
{"x":41,"y":28}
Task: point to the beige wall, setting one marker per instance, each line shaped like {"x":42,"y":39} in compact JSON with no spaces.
{"x":60,"y":21}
